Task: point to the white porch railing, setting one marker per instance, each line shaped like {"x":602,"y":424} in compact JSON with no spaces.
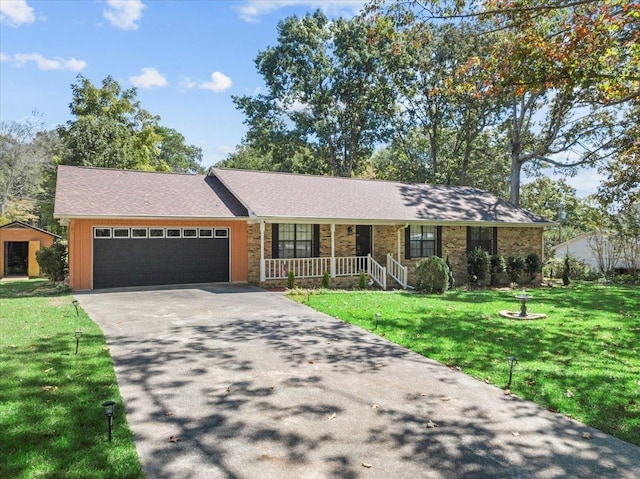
{"x":397,"y":271}
{"x":301,"y":267}
{"x":315,"y":268}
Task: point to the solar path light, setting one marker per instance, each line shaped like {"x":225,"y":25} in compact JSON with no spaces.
{"x":512,"y":362}
{"x":108,"y":411}
{"x":78,"y":333}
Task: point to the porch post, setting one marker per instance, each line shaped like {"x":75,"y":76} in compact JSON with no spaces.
{"x":333,"y":250}
{"x":263,"y":275}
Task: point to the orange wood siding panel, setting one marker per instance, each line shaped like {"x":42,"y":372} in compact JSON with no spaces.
{"x":81,"y":245}
{"x":20,"y":235}
{"x":33,"y":268}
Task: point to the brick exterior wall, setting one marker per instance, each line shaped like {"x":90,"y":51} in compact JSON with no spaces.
{"x":511,"y":241}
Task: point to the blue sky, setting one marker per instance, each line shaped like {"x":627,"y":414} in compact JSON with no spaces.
{"x":185,"y":57}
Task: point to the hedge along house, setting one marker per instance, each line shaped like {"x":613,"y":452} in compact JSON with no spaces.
{"x":130,"y":228}
{"x":19,"y":243}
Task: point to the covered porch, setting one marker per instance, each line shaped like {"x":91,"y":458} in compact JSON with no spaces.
{"x":341,"y":250}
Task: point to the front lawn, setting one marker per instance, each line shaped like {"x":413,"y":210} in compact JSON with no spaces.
{"x":51,"y":419}
{"x":582,"y":361}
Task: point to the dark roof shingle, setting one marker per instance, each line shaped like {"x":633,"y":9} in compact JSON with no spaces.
{"x":285,"y":195}
{"x":102,"y":192}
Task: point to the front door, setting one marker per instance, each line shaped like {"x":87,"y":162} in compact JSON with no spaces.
{"x":363,"y":240}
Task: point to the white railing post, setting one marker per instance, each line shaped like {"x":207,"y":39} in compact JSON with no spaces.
{"x":263,"y":275}
{"x":333,"y":250}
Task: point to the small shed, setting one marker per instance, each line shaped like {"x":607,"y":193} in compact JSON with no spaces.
{"x":19,"y":243}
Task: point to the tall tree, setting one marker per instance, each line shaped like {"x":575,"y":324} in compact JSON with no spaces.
{"x":572,"y":63}
{"x":323,"y":93}
{"x":175,"y":154}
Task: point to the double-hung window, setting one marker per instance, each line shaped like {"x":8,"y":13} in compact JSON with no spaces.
{"x":422,"y":241}
{"x":295,"y":240}
{"x":485,"y":238}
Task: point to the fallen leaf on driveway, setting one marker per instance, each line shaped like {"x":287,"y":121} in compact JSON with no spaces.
{"x":445,"y":398}
{"x":375,"y":406}
{"x":175,"y":439}
{"x":366,"y":464}
{"x":332,"y":416}
{"x":587,"y":435}
{"x":310,"y":362}
{"x":431,"y":424}
{"x":169,"y":413}
{"x":507,"y":392}
{"x":515,"y":433}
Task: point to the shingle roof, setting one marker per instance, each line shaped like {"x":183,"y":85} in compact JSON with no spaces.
{"x":284,"y":195}
{"x":102,"y":192}
{"x":20,"y":225}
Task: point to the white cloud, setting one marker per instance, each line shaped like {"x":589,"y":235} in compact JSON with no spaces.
{"x":4,"y":57}
{"x":55,"y":63}
{"x":124,"y":14}
{"x":186,"y":82}
{"x":252,"y":10}
{"x":219,"y":83}
{"x":149,"y":78}
{"x":16,"y":12}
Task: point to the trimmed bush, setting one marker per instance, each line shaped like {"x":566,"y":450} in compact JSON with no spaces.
{"x":53,"y":261}
{"x":497,"y":266}
{"x":326,"y":280}
{"x":566,"y":272}
{"x":533,"y":265}
{"x":515,"y":267}
{"x":478,"y":265}
{"x":432,"y":275}
{"x":291,"y":280}
{"x":362,"y":281}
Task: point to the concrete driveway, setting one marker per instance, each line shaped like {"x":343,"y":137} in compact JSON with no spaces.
{"x":237,"y":382}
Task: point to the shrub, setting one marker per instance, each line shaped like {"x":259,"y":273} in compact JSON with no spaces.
{"x":497,"y":265}
{"x":478,"y":265}
{"x":515,"y":267}
{"x":533,"y":265}
{"x":566,"y":272}
{"x":53,"y":261}
{"x":291,"y":280}
{"x":432,"y":275}
{"x":326,"y":280}
{"x":362,"y":281}
{"x":452,"y":280}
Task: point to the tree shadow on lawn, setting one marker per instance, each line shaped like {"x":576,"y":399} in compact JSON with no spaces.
{"x":278,"y":397}
{"x":32,"y":288}
{"x":49,"y":427}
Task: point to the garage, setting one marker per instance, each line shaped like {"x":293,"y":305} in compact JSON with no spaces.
{"x":139,"y":256}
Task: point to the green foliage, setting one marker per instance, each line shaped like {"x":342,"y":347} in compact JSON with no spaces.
{"x":326,"y":280}
{"x":291,"y":279}
{"x":515,"y":267}
{"x":432,"y":275}
{"x":53,"y":261}
{"x":323,"y":95}
{"x":51,"y":421}
{"x":570,"y":351}
{"x":176,"y":154}
{"x":532,"y":265}
{"x":566,"y":272}
{"x":451,"y":279}
{"x":477,"y":265}
{"x":497,"y":266}
{"x":362,"y":281}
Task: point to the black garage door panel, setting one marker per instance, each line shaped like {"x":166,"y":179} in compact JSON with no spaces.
{"x":148,"y":262}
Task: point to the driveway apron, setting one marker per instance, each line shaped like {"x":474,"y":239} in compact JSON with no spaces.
{"x":235,"y":382}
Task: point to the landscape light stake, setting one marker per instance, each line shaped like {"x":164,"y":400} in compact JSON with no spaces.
{"x":75,"y":305}
{"x":378,"y":316}
{"x":78,"y":333}
{"x":512,"y":362}
{"x":108,"y":411}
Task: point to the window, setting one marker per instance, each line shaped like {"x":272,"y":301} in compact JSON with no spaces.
{"x":156,"y":233}
{"x":295,"y":241}
{"x":120,"y":232}
{"x":482,"y":237}
{"x":173,"y":233}
{"x":189,"y":233}
{"x":221,"y":233}
{"x":138,"y":232}
{"x":102,"y":233}
{"x":422,"y":241}
{"x":205,"y":232}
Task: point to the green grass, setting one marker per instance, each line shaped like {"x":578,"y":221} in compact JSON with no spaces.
{"x":52,"y":423}
{"x":583,"y":361}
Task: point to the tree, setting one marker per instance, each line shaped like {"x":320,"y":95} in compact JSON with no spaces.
{"x":575,"y":64}
{"x":323,"y":93}
{"x":110,"y":128}
{"x":25,"y":150}
{"x":175,"y":155}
